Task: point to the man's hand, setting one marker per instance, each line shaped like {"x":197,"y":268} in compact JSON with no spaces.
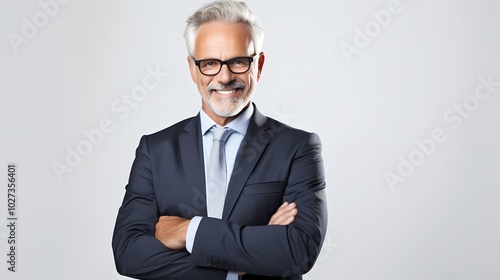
{"x":285,"y":215}
{"x":171,"y":231}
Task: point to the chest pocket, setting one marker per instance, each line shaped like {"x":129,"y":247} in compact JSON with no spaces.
{"x":268,"y":188}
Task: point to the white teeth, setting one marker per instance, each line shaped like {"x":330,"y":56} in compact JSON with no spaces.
{"x":225,"y":91}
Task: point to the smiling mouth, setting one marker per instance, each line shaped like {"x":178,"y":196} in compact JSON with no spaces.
{"x":226,"y":92}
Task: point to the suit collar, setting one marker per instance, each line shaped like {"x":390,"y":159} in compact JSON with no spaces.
{"x":249,"y":153}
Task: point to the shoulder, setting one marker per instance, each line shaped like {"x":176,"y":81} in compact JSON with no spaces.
{"x":286,"y":132}
{"x":174,"y":131}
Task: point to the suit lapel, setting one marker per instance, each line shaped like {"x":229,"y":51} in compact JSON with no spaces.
{"x":251,"y":149}
{"x":191,"y":149}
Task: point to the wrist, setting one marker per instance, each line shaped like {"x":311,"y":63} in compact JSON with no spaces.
{"x":183,"y":230}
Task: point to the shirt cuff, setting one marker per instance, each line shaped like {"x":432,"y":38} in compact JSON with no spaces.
{"x":232,"y":275}
{"x":191,"y":233}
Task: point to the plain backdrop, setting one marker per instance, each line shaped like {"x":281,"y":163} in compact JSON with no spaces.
{"x":375,"y":86}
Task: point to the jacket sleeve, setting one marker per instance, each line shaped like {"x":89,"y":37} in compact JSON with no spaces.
{"x":137,"y":252}
{"x":274,"y":250}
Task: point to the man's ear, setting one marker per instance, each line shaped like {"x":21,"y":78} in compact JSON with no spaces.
{"x":260,"y":64}
{"x":192,"y":68}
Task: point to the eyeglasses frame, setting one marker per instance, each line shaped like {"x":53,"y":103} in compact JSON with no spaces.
{"x":225,"y":62}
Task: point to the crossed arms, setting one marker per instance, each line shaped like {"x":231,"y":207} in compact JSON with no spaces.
{"x":149,"y":245}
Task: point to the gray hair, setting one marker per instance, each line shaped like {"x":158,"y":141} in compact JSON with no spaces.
{"x":229,"y":11}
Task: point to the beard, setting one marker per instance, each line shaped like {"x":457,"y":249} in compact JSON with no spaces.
{"x":229,"y":106}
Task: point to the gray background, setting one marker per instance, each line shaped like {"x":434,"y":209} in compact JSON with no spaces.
{"x":369,"y":109}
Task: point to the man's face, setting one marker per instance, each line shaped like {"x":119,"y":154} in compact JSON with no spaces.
{"x":225,"y":94}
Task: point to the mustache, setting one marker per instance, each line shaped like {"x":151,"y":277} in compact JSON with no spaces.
{"x":229,"y":86}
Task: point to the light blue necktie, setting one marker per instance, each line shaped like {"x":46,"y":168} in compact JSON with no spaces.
{"x":216,"y":174}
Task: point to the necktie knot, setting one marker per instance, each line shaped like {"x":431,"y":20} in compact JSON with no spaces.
{"x":222,"y":133}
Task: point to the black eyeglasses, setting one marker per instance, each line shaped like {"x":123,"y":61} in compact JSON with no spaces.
{"x":212,"y":67}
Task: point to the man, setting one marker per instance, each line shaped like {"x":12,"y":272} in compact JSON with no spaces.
{"x":271,"y":221}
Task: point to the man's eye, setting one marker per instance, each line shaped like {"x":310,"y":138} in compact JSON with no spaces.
{"x":239,"y":62}
{"x":209,"y":64}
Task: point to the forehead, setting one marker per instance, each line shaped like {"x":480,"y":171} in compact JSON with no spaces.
{"x":223,"y":40}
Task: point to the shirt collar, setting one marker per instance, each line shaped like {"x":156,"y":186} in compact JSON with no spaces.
{"x":240,"y":124}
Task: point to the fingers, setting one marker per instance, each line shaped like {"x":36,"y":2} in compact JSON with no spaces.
{"x":285,"y":214}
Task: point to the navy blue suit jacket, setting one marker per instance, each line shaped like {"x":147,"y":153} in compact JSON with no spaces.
{"x":275,"y":163}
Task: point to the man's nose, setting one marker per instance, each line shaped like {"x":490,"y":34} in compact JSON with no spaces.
{"x":225,"y":75}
